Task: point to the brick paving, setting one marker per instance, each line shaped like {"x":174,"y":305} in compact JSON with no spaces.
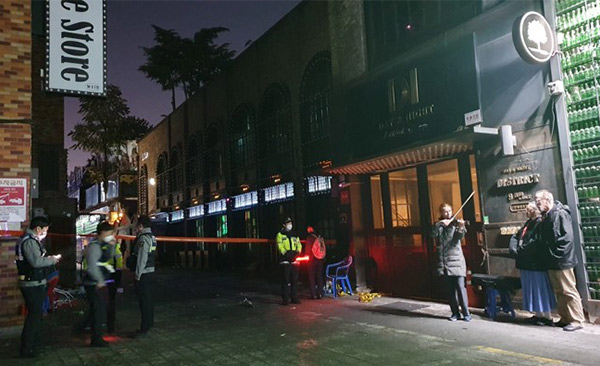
{"x":200,"y":321}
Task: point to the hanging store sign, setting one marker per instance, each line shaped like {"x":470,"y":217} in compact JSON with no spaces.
{"x":533,"y":38}
{"x":13,"y":200}
{"x":76,"y":47}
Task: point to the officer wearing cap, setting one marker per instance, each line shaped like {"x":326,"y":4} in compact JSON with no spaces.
{"x":289,"y":247}
{"x":33,"y":265}
{"x":97,"y":257}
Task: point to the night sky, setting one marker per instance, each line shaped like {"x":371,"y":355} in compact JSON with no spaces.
{"x":129,"y":28}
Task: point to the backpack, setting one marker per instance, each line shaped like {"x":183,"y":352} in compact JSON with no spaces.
{"x":318,"y":247}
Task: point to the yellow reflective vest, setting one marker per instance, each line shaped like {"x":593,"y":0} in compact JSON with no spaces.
{"x":283,"y":243}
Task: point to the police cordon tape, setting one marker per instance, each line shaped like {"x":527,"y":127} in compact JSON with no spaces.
{"x":172,"y":239}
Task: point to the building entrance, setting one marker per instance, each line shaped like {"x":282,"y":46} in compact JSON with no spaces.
{"x":404,"y":206}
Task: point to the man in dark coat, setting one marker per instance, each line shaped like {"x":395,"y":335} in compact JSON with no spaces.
{"x":557,"y":235}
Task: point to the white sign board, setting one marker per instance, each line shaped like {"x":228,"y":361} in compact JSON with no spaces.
{"x":473,"y":118}
{"x":13,"y":200}
{"x":76,"y":47}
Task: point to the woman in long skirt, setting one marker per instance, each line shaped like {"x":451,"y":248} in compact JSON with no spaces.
{"x":529,"y":252}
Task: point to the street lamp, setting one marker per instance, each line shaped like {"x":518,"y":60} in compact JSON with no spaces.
{"x":152,"y":181}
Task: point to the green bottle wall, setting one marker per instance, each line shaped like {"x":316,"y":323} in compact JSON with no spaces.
{"x":578,"y":28}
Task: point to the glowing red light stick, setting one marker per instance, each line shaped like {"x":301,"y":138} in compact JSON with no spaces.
{"x":302,"y":259}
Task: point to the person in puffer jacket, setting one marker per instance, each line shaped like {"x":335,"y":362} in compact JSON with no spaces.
{"x":451,"y":261}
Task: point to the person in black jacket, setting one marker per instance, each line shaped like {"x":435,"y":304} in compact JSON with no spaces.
{"x":556,"y":232}
{"x":33,"y":265}
{"x":529,"y":251}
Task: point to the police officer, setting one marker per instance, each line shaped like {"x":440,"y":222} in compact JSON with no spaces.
{"x":289,"y":247}
{"x":97,"y":257}
{"x":112,"y":285}
{"x":33,"y":265}
{"x":144,"y":253}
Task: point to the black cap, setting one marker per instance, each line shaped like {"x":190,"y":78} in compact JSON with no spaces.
{"x":287,"y":219}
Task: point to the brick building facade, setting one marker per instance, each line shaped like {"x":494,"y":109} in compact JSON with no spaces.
{"x":248,"y":150}
{"x":15,"y":132}
{"x":31,"y":138}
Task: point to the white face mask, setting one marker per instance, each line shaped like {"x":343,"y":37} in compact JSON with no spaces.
{"x":41,"y":236}
{"x":108,"y":239}
{"x":288,"y":227}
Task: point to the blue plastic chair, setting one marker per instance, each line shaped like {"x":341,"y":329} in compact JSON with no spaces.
{"x":338,"y":272}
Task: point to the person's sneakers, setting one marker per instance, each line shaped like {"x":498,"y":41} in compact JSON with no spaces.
{"x":98,"y":343}
{"x":571,"y":327}
{"x":561,"y":324}
{"x":467,"y":318}
{"x":295,"y":301}
{"x":453,"y":318}
{"x":285,"y":303}
{"x":533,"y":320}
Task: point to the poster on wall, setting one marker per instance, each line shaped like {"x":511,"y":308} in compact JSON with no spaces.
{"x":76,"y":47}
{"x":13,"y":200}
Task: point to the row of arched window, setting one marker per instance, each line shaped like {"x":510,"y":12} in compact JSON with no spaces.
{"x":266,"y":139}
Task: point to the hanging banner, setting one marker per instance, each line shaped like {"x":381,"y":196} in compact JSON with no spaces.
{"x":76,"y":47}
{"x":13,"y":200}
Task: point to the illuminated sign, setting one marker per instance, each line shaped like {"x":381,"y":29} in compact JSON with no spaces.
{"x":76,"y":47}
{"x":245,"y":200}
{"x":533,"y":38}
{"x":217,"y":206}
{"x":196,"y":211}
{"x":279,"y":192}
{"x":318,"y":184}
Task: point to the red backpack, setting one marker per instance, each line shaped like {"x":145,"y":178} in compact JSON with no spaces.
{"x":318,"y":247}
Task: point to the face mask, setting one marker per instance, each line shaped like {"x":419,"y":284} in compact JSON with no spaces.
{"x":288,"y":227}
{"x":108,"y":239}
{"x":41,"y":236}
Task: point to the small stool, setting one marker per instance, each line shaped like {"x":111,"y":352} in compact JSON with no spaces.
{"x":495,"y":286}
{"x":491,"y":305}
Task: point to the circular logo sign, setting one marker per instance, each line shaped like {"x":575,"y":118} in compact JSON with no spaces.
{"x":533,"y":38}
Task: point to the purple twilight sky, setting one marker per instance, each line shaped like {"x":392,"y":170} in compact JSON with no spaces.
{"x":129,"y":28}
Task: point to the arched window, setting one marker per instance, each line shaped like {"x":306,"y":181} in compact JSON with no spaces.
{"x":275,"y":125}
{"x":314,"y":109}
{"x":143,"y":188}
{"x":175,"y":171}
{"x":193,"y":162}
{"x":242,"y":137}
{"x":162,"y":176}
{"x":214,"y":153}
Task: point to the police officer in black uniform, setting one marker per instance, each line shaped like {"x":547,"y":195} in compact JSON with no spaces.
{"x":98,"y":255}
{"x":33,"y":265}
{"x":142,"y":261}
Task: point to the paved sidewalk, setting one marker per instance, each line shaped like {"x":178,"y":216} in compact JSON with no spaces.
{"x":200,"y":321}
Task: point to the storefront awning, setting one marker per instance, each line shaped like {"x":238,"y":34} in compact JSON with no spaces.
{"x":430,"y":152}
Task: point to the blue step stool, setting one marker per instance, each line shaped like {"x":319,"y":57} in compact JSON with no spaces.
{"x":497,"y":286}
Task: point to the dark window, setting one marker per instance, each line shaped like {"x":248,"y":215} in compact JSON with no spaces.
{"x":175,"y":171}
{"x":214,"y":153}
{"x":242,"y":137}
{"x":193,"y":163}
{"x":393,"y":27}
{"x":143,"y":190}
{"x":161,"y":176}
{"x":275,"y":128}
{"x":314,"y":109}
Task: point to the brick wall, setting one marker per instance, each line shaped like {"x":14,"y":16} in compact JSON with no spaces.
{"x":15,"y":132}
